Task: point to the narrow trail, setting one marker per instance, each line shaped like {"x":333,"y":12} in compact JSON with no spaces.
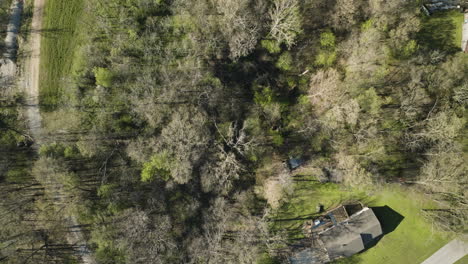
{"x":31,"y":88}
{"x":31,"y":74}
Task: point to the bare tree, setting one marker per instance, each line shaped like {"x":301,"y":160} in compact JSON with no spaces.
{"x":146,"y":239}
{"x":185,"y":139}
{"x":240,"y":23}
{"x":286,"y":21}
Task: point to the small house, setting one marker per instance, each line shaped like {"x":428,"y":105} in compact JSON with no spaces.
{"x":340,"y":232}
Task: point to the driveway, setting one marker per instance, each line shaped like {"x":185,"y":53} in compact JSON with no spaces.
{"x":448,"y":254}
{"x":465,"y":33}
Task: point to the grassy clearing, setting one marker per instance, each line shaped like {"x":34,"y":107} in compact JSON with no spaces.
{"x":413,"y":240}
{"x":457,"y":19}
{"x":442,"y":31}
{"x":60,"y":39}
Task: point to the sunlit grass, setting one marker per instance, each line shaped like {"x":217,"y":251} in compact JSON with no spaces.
{"x":413,"y":240}
{"x":60,"y":38}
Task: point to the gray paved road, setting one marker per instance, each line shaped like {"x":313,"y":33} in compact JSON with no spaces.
{"x":448,"y":254}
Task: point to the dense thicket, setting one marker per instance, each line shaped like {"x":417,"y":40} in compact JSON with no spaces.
{"x":183,"y":111}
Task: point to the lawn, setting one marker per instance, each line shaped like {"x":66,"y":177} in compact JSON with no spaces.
{"x":457,"y":19}
{"x":412,"y":240}
{"x":60,"y":39}
{"x":463,"y":260}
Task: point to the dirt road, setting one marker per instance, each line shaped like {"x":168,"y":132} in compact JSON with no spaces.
{"x":31,"y":74}
{"x":31,"y":88}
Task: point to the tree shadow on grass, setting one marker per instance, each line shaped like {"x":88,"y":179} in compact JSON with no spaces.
{"x":438,"y":33}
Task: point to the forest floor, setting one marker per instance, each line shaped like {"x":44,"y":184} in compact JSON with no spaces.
{"x":408,"y":238}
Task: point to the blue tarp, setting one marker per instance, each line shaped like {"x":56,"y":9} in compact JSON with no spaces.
{"x":294,"y":163}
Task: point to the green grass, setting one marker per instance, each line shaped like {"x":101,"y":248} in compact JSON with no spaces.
{"x":60,"y":39}
{"x":457,"y":19}
{"x":442,"y":31}
{"x":463,"y":260}
{"x":413,"y":240}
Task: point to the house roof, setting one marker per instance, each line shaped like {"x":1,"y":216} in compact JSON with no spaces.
{"x":353,"y":235}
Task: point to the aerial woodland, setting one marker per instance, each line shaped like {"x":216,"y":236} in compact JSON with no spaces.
{"x":168,"y":131}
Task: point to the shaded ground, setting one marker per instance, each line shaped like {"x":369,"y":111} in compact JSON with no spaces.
{"x":11,"y":40}
{"x":439,"y":31}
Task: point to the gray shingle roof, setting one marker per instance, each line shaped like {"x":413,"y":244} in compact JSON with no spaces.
{"x":353,"y":235}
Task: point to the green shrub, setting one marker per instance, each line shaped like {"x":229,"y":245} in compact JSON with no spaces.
{"x":17,"y":176}
{"x":410,"y":48}
{"x":366,"y":25}
{"x":59,"y":150}
{"x":271,"y":45}
{"x":265,"y":258}
{"x":264,"y":97}
{"x":370,"y":102}
{"x":52,"y":150}
{"x":106,"y":190}
{"x":284,"y":61}
{"x":327,"y":53}
{"x":70,"y":152}
{"x":158,"y":167}
{"x":276,"y":137}
{"x":103,"y":76}
{"x":327,"y":40}
{"x":325,"y":58}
